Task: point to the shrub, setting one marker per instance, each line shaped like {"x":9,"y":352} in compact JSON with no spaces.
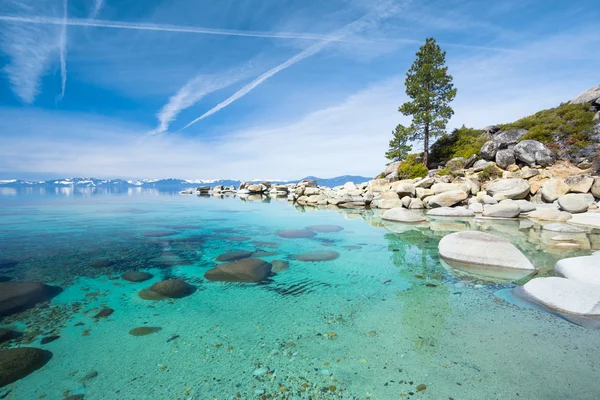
{"x":489,"y":173}
{"x":463,"y":142}
{"x":570,"y":124}
{"x":412,"y":167}
{"x":444,"y":172}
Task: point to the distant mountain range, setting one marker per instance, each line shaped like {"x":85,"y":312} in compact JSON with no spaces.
{"x":171,"y":184}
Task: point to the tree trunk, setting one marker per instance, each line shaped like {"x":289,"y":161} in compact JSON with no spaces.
{"x":426,"y":146}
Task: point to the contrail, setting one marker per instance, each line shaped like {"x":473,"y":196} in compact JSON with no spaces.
{"x":63,"y":51}
{"x":97,"y":7}
{"x":163,"y":28}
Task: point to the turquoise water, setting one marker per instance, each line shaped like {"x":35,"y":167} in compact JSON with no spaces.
{"x":383,"y":318}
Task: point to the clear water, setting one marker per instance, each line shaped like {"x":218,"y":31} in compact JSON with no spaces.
{"x":382,"y":319}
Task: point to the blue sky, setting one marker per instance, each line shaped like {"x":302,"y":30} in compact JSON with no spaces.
{"x":273,"y":89}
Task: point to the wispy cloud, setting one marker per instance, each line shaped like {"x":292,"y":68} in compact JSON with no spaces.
{"x":97,"y":7}
{"x":193,"y":91}
{"x":63,"y":50}
{"x":381,"y":11}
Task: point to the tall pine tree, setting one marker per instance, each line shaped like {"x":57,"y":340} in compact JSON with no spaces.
{"x":398,"y":147}
{"x":431,"y":90}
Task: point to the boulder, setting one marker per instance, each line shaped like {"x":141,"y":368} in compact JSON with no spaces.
{"x":378,"y":185}
{"x":172,"y":288}
{"x":451,"y":212}
{"x":233,"y":256}
{"x":318,"y":255}
{"x":402,"y":215}
{"x":20,"y":296}
{"x":456,"y":163}
{"x":471,"y":161}
{"x":447,"y":187}
{"x":422,"y":193}
{"x":404,"y":189}
{"x":502,"y":210}
{"x":575,"y":203}
{"x":447,"y":199}
{"x":481,"y":164}
{"x":562,"y":228}
{"x":392,"y":167}
{"x":491,"y":129}
{"x":504,"y":158}
{"x":579,"y":183}
{"x":416,"y":204}
{"x":278,"y":266}
{"x":514,"y":188}
{"x":589,"y":96}
{"x":550,"y":214}
{"x":526,"y":206}
{"x":595,"y":189}
{"x":582,"y":269}
{"x":477,"y":208}
{"x":565,"y":295}
{"x":136,"y":276}
{"x":488,"y":151}
{"x":296,"y":234}
{"x":7,"y":334}
{"x":479,"y":248}
{"x":325,"y":228}
{"x":553,"y":189}
{"x":527,"y":172}
{"x":246,"y":270}
{"x":533,"y":152}
{"x":507,"y":138}
{"x":19,"y":362}
{"x":425,"y":183}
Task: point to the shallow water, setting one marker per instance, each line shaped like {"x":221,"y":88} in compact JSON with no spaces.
{"x":378,"y":321}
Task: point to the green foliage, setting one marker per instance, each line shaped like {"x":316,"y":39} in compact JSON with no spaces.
{"x":398,"y":148}
{"x":381,"y":175}
{"x":444,"y":172}
{"x":490,"y":173}
{"x":431,"y":90}
{"x":412,"y":167}
{"x":463,"y":142}
{"x":570,"y":124}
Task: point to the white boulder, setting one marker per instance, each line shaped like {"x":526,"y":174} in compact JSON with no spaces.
{"x":402,"y":215}
{"x":582,"y":269}
{"x":565,"y":295}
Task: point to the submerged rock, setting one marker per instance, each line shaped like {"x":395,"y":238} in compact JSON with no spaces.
{"x":19,"y":362}
{"x":234,"y":256}
{"x":100,"y":263}
{"x":325,"y":228}
{"x":172,"y":288}
{"x":105,"y":312}
{"x":278,"y":266}
{"x":402,"y":215}
{"x":563,"y":228}
{"x":8,"y":334}
{"x":136,"y":276}
{"x":19,"y":296}
{"x":582,"y":269}
{"x":565,"y":295}
{"x":318,"y":255}
{"x":478,"y":248}
{"x":159,"y":233}
{"x":144,"y":330}
{"x":246,"y":270}
{"x":49,"y":339}
{"x":296,"y":234}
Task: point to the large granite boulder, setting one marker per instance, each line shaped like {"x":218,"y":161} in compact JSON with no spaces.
{"x":575,"y":203}
{"x":553,"y":189}
{"x":404,"y":189}
{"x":456,"y":163}
{"x":589,"y":96}
{"x":579,"y":183}
{"x":488,"y":150}
{"x":565,"y":295}
{"x":378,"y":185}
{"x":483,"y":249}
{"x":508,"y":138}
{"x":550,"y":214}
{"x":505,"y":158}
{"x":582,"y":269}
{"x":595,"y":189}
{"x":447,"y":199}
{"x":502,"y":210}
{"x":19,"y":362}
{"x":533,"y":152}
{"x":246,"y":270}
{"x":448,"y":187}
{"x":402,"y":215}
{"x":172,"y":288}
{"x":20,"y":296}
{"x":514,"y":188}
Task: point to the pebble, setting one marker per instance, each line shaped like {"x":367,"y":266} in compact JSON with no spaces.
{"x":260,"y":371}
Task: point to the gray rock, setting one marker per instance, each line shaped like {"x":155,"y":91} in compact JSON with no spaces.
{"x":504,"y":158}
{"x":471,"y":161}
{"x":550,"y":214}
{"x":506,"y":138}
{"x":491,"y":130}
{"x":451,"y":212}
{"x":526,"y":206}
{"x":456,"y":163}
{"x":553,"y":189}
{"x":404,"y":189}
{"x":20,"y":296}
{"x":515,"y":188}
{"x":405,"y":201}
{"x":502,"y":210}
{"x":532,"y":152}
{"x":447,"y":187}
{"x":563,"y":228}
{"x":392,"y":167}
{"x":481,"y":164}
{"x":527,"y":172}
{"x":575,"y":203}
{"x":447,"y":199}
{"x":402,"y":215}
{"x":416,"y":204}
{"x":425,"y":183}
{"x":477,"y":208}
{"x":589,"y":96}
{"x":595,"y":189}
{"x":488,"y":150}
{"x":579,"y":183}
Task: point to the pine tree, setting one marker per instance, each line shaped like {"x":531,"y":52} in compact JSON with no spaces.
{"x":431,"y":90}
{"x":398,"y":147}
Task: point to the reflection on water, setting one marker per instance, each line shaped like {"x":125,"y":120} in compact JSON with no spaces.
{"x":383,"y":320}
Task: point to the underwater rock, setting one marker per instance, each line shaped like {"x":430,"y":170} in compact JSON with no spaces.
{"x":172,"y":288}
{"x":278,"y":266}
{"x":270,"y":245}
{"x":582,"y":269}
{"x":565,"y":295}
{"x":234,"y":256}
{"x":49,"y":339}
{"x":105,"y":312}
{"x":238,"y":238}
{"x":8,"y":334}
{"x":261,"y":253}
{"x":478,"y":248}
{"x":158,"y":233}
{"x":100,"y":263}
{"x":148,"y":294}
{"x":7,"y":263}
{"x":144,"y":330}
{"x":318,"y":255}
{"x":136,"y":276}
{"x":246,"y":270}
{"x":296,"y":234}
{"x":325,"y":228}
{"x":402,"y":215}
{"x":19,"y":362}
{"x":19,"y":296}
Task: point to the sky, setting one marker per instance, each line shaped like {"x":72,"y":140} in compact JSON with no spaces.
{"x":264,"y":89}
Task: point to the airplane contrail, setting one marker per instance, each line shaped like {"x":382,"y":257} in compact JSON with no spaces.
{"x":63,"y":50}
{"x":98,"y":23}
